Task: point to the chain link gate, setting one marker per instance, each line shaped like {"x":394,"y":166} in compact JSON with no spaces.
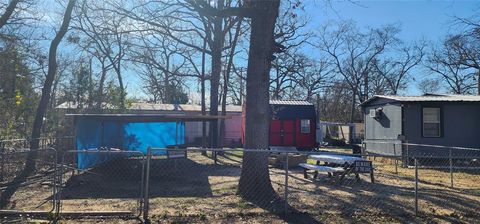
{"x":101,"y":183}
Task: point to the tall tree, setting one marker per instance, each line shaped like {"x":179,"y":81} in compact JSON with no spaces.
{"x":105,"y":32}
{"x":352,"y":52}
{"x":260,"y":56}
{"x":47,"y":87}
{"x":443,"y":62}
{"x":395,"y":70}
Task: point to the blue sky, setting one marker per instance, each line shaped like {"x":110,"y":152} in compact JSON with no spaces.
{"x":419,"y":19}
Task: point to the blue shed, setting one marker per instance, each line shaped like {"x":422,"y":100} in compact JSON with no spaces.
{"x":128,"y":132}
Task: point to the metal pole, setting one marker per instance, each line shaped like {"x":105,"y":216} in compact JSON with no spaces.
{"x":60,"y":185}
{"x":176,"y":135}
{"x":395,"y":158}
{"x":55,"y":182}
{"x":416,"y":187}
{"x":451,"y":167}
{"x":286,"y":185}
{"x":142,"y":186}
{"x":2,"y":154}
{"x":146,"y":204}
{"x":363,"y":149}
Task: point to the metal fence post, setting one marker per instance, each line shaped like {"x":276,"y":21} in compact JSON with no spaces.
{"x":55,"y":182}
{"x":416,"y":186}
{"x":146,"y":203}
{"x":60,"y":184}
{"x":451,"y":167}
{"x":395,"y":158}
{"x":286,"y":185}
{"x":363,"y":149}
{"x":2,"y":164}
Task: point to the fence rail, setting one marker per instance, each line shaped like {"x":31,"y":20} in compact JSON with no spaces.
{"x":199,"y":185}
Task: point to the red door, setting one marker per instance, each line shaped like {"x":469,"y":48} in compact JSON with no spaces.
{"x":282,"y":132}
{"x":275,"y":132}
{"x":288,"y":133}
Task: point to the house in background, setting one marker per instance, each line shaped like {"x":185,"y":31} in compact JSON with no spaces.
{"x":193,"y":130}
{"x":430,"y":119}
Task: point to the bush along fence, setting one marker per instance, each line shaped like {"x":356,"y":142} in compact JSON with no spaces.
{"x":198,"y":185}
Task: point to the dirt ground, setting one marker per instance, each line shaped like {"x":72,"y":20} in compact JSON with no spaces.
{"x":195,"y":190}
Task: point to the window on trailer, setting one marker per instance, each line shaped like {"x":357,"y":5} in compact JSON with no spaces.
{"x":431,"y":122}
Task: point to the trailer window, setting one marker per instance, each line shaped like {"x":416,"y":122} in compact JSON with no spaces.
{"x":305,"y":126}
{"x":431,"y":122}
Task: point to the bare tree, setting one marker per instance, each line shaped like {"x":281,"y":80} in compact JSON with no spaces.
{"x":233,"y":40}
{"x":466,"y":45}
{"x":458,"y":78}
{"x":353,"y":53}
{"x":262,"y":47}
{"x":312,"y":77}
{"x":105,"y":32}
{"x":163,"y":64}
{"x":395,"y":70}
{"x":289,"y":36}
{"x":46,"y":90}
{"x":430,"y":85}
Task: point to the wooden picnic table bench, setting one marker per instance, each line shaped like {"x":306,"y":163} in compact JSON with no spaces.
{"x":318,"y":168}
{"x":339,"y":166}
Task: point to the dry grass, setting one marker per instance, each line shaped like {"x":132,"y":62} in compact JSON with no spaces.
{"x":195,"y":190}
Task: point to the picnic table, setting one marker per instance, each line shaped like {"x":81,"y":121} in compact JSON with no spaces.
{"x":338,"y":166}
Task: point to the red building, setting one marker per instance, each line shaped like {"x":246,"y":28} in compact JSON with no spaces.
{"x":293,"y":124}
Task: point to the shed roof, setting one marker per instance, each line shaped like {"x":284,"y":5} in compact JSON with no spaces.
{"x":148,"y":117}
{"x":290,"y":102}
{"x":429,"y":97}
{"x":144,"y":106}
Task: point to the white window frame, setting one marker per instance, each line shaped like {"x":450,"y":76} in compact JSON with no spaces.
{"x":438,"y":121}
{"x":302,"y":127}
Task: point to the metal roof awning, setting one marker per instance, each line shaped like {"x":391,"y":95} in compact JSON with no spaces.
{"x":148,"y":117}
{"x":428,"y":97}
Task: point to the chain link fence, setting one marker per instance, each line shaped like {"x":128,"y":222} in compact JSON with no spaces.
{"x":236,"y":185}
{"x":194,"y":185}
{"x":27,"y":180}
{"x":446,"y":179}
{"x":101,"y":182}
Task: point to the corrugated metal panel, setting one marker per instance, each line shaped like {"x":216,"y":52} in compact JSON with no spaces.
{"x":290,"y":102}
{"x":428,"y":98}
{"x":158,"y":107}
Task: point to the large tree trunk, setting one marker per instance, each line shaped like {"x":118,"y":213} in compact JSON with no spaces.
{"x":255,"y":184}
{"x":216,"y":72}
{"x":353,"y":106}
{"x":47,"y":87}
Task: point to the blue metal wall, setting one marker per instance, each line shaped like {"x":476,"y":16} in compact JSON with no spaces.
{"x":92,"y":134}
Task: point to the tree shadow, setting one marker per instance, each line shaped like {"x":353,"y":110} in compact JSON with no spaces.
{"x":121,"y":178}
{"x":31,"y":173}
{"x":394,"y":202}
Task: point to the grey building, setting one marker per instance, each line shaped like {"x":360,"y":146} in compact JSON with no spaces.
{"x":431,"y":120}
